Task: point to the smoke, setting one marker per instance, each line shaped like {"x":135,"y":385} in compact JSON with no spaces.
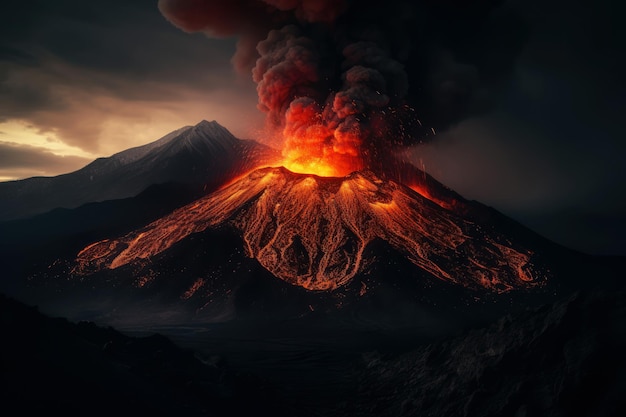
{"x":286,"y":69}
{"x":248,"y":20}
{"x":312,"y":10}
{"x":351,"y":80}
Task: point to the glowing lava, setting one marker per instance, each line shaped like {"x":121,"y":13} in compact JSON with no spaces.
{"x":319,"y":166}
{"x":312,"y":232}
{"x":332,"y":165}
{"x":310,"y":147}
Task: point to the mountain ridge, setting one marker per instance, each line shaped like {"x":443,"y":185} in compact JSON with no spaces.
{"x":204,"y":154}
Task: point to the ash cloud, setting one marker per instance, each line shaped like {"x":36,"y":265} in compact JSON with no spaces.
{"x":358,"y":77}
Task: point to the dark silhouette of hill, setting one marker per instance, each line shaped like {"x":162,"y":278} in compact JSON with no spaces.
{"x":562,"y":359}
{"x":50,"y":365}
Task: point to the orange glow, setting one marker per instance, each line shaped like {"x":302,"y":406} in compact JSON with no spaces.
{"x":312,"y":155}
{"x":422,"y":190}
{"x":313,"y":146}
{"x":322,"y":167}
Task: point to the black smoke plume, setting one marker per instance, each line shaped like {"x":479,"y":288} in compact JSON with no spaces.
{"x":354,"y":79}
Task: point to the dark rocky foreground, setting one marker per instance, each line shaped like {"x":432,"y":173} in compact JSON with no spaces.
{"x":54,"y":367}
{"x":562,"y":359}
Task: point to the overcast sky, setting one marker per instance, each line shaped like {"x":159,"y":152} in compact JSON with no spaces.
{"x":551,"y":153}
{"x":79,"y":80}
{"x":89,"y":79}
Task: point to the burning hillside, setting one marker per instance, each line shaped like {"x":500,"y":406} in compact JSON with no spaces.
{"x":312,"y":232}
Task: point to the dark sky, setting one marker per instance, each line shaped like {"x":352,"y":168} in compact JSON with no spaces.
{"x":85,"y":79}
{"x":551,"y":152}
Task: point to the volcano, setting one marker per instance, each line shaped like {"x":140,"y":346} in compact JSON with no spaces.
{"x":313,"y":232}
{"x":269,"y":237}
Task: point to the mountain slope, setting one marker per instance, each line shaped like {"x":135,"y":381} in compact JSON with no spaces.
{"x":205,"y":154}
{"x":313,"y":232}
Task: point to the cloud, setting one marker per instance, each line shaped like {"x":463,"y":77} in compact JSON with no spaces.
{"x":20,"y":161}
{"x":357,"y":66}
{"x":498,"y":161}
{"x":107,"y":76}
{"x":563,"y":179}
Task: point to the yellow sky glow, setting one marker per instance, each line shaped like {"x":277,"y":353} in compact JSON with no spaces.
{"x":22,"y":133}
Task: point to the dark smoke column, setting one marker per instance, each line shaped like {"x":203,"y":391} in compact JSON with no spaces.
{"x":333,"y":76}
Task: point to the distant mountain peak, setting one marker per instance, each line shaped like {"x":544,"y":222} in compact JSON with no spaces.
{"x":133,"y":154}
{"x":206,"y":123}
{"x":212,"y":128}
{"x":208,"y":140}
{"x":204,"y":154}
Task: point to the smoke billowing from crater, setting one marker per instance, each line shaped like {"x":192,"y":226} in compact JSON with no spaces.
{"x":347,"y":82}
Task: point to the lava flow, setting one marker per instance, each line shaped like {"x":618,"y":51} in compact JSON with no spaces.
{"x":312,"y":231}
{"x":341,"y":85}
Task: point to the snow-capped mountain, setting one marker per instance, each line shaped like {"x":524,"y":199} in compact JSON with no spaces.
{"x":205,"y":154}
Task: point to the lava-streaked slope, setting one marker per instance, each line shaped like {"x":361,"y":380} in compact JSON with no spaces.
{"x":312,"y":232}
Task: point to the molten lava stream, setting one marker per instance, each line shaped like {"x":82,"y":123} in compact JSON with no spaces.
{"x":242,"y":174}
